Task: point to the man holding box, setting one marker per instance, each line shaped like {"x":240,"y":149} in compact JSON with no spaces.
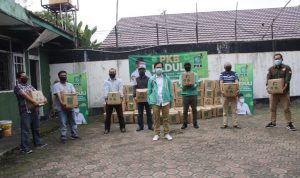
{"x":113,"y":85}
{"x":141,"y":82}
{"x":160,"y":97}
{"x":284,"y":72}
{"x":29,"y":116}
{"x":230,"y":97}
{"x":189,"y":94}
{"x":66,"y":115}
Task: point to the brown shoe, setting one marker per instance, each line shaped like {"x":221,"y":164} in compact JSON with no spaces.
{"x":123,"y":130}
{"x":106,"y":132}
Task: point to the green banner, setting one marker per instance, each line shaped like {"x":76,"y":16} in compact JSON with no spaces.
{"x":173,"y":63}
{"x":80,"y":83}
{"x":245,"y":74}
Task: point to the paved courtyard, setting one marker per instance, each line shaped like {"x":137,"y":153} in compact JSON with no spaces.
{"x":252,"y":151}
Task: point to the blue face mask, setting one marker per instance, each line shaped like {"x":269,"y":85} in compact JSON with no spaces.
{"x":158,"y":71}
{"x":278,"y":62}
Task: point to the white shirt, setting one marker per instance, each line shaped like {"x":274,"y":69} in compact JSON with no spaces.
{"x":113,"y":85}
{"x":243,"y":109}
{"x":160,"y":83}
{"x":61,"y":88}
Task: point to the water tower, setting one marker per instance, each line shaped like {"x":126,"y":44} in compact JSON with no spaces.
{"x":64,"y":12}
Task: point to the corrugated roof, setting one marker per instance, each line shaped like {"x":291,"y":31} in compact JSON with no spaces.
{"x":252,"y":25}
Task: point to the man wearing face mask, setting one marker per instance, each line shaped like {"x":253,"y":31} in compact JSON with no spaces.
{"x":141,"y":82}
{"x":242,"y":107}
{"x":135,"y":74}
{"x":280,"y":70}
{"x":229,"y":76}
{"x":113,"y":84}
{"x":29,"y":117}
{"x":189,"y":97}
{"x":160,"y":97}
{"x":65,"y":115}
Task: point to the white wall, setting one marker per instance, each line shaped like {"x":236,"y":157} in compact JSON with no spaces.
{"x":97,"y":72}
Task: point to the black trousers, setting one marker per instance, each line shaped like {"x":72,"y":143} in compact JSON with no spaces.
{"x":187,"y":102}
{"x":109,"y":110}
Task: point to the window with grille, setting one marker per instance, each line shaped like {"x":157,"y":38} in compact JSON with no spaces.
{"x":9,"y":68}
{"x":5,"y":72}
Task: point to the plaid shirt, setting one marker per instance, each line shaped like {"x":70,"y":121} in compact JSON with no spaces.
{"x":18,"y":90}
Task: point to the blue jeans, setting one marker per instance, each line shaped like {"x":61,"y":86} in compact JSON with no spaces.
{"x":66,"y":117}
{"x":141,"y":115}
{"x":29,"y":121}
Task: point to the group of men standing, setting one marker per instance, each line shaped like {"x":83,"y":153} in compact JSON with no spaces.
{"x":29,"y":115}
{"x":159,"y":99}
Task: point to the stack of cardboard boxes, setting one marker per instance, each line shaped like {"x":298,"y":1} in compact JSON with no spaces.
{"x":212,"y":100}
{"x":128,"y":104}
{"x":209,"y":101}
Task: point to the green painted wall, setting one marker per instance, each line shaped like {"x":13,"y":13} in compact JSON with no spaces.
{"x":9,"y":108}
{"x":8,"y":102}
{"x":45,"y":78}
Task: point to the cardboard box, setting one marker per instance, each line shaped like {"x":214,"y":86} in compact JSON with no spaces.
{"x":217,"y":100}
{"x":113,"y":98}
{"x":208,"y":101}
{"x":217,"y":85}
{"x":178,"y":94}
{"x":70,"y":100}
{"x":213,"y":111}
{"x":178,"y":102}
{"x":128,"y":117}
{"x":128,"y":89}
{"x":129,"y":98}
{"x":230,"y":89}
{"x":217,"y":93}
{"x":174,"y":116}
{"x":179,"y":109}
{"x":201,"y":85}
{"x":200,"y":93}
{"x":209,"y":84}
{"x":200,"y":101}
{"x":275,"y":86}
{"x":209,"y":93}
{"x":175,"y":85}
{"x":219,"y":109}
{"x":188,"y":78}
{"x":141,"y":95}
{"x":206,"y":113}
{"x":38,"y":97}
{"x":130,"y":106}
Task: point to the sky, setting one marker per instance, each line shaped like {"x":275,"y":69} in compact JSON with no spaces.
{"x":102,"y":13}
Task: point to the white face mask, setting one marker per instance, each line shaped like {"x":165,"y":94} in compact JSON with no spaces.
{"x":242,"y":100}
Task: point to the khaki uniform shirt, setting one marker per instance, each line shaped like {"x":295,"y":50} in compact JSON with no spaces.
{"x":281,"y":71}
